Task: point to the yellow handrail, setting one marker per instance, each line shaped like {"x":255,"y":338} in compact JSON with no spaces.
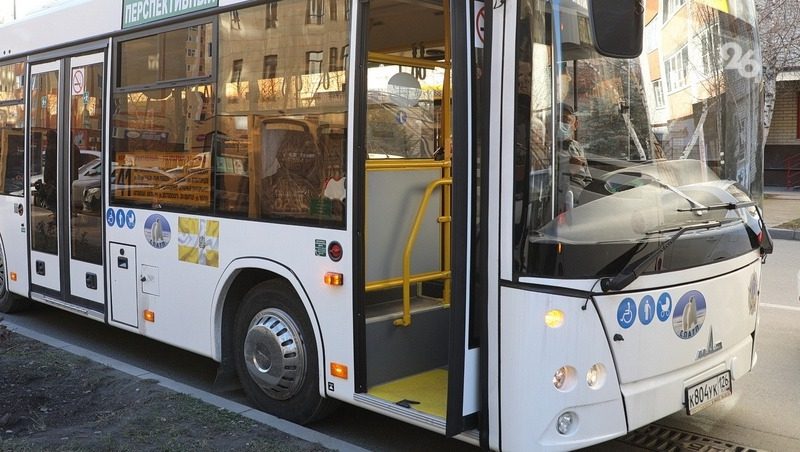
{"x":412,"y":237}
{"x":406,"y":164}
{"x":397,"y":282}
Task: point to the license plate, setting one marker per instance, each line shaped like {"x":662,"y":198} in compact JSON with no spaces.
{"x":703,"y":394}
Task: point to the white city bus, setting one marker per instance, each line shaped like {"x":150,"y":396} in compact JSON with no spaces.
{"x":528,"y":224}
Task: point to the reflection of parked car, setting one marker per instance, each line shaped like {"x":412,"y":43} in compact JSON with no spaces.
{"x":198,"y":162}
{"x":126,"y":182}
{"x":88,"y":175}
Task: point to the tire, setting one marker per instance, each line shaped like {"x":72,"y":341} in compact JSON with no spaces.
{"x":276,"y":354}
{"x":9,"y":302}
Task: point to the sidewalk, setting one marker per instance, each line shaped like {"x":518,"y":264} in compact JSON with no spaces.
{"x":782,"y":212}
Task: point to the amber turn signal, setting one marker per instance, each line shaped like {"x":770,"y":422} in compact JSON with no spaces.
{"x":334,"y":279}
{"x":339,"y":370}
{"x":149,"y":315}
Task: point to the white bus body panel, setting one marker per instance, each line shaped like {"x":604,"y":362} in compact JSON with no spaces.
{"x":64,"y":24}
{"x":14,"y":240}
{"x":187,"y":292}
{"x":654,"y":359}
{"x":658,"y":357}
{"x":530,"y":354}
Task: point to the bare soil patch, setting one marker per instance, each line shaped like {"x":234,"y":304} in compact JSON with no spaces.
{"x":51,"y":400}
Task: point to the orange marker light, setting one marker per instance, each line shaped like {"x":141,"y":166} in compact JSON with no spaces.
{"x":149,"y":315}
{"x":13,"y":276}
{"x":339,"y":370}
{"x":334,"y":279}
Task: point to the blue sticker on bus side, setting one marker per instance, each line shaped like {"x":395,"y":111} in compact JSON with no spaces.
{"x":110,"y":217}
{"x":120,"y":218}
{"x":626,"y":313}
{"x":664,"y":306}
{"x":647,"y":310}
{"x":130,"y":219}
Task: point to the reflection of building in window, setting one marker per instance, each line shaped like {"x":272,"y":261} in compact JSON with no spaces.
{"x":236,"y":24}
{"x":236,"y":73}
{"x":271,"y":20}
{"x":315,"y":11}
{"x":333,"y":10}
{"x":237,"y":89}
{"x":709,"y":48}
{"x":677,"y":67}
{"x":658,"y":92}
{"x":270,"y":66}
{"x":314,"y":62}
{"x":333,"y":59}
{"x":345,"y":57}
{"x":670,"y":7}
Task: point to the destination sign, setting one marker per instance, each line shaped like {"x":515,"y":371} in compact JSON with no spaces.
{"x":140,"y":12}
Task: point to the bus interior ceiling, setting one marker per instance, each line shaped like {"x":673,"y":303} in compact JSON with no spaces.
{"x":398,"y":26}
{"x":407,"y":364}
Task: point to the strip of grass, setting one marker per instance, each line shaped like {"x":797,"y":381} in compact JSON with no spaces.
{"x":794,"y":224}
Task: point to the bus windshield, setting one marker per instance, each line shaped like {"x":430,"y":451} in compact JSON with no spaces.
{"x":612,"y":154}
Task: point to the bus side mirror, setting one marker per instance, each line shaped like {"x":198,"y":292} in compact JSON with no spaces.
{"x":618,"y":27}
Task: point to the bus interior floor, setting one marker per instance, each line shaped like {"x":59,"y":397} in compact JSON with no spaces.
{"x":425,"y":392}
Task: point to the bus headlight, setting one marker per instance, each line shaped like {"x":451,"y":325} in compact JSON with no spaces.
{"x":564,"y":378}
{"x":554,"y":318}
{"x":596,"y":376}
{"x":565,"y":422}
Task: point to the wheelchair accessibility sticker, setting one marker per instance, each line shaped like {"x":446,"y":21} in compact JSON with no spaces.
{"x":626,"y":313}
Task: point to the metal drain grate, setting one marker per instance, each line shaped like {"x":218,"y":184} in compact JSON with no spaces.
{"x":664,"y":439}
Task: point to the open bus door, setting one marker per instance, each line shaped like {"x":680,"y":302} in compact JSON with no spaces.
{"x":416,"y":360}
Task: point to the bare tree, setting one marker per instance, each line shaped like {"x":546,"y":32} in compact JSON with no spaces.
{"x":780,"y":45}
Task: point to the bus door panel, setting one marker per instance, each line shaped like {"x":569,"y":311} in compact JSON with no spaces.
{"x":65,"y":169}
{"x":84,"y":174}
{"x":43,"y":134}
{"x":420,"y":349}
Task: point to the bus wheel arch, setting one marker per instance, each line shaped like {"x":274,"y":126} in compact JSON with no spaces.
{"x":9,"y":302}
{"x":275,"y":353}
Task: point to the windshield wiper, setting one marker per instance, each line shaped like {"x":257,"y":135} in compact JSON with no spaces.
{"x":697,"y":206}
{"x":721,"y":206}
{"x":634,"y":269}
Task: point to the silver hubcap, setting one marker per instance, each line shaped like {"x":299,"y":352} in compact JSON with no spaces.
{"x":274,"y":353}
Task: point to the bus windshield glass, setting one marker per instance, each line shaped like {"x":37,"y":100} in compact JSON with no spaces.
{"x":610,"y":155}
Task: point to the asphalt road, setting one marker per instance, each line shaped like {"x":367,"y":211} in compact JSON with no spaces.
{"x":762,"y":413}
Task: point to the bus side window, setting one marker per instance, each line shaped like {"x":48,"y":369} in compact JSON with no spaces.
{"x":290,"y":166}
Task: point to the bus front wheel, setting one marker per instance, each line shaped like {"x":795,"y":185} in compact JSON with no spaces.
{"x":276,"y":354}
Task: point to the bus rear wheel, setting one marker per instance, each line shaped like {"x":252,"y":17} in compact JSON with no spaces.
{"x":8,"y":302}
{"x":276,"y":354}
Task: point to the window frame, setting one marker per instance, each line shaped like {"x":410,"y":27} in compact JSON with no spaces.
{"x":659,"y":98}
{"x":116,"y":89}
{"x":20,"y":101}
{"x":210,"y":77}
{"x":678,"y":56}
